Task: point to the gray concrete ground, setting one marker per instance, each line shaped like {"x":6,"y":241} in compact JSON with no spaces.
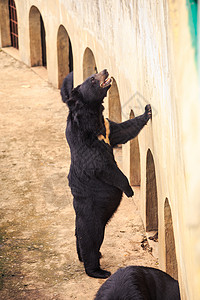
{"x":37,"y":244}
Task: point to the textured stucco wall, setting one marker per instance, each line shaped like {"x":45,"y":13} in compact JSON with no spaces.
{"x":146,"y":46}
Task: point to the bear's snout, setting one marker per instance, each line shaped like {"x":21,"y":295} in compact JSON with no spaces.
{"x":103,"y":79}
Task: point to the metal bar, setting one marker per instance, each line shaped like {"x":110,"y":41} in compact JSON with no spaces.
{"x":13,"y":24}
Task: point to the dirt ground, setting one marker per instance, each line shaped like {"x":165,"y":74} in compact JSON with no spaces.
{"x":37,"y":244}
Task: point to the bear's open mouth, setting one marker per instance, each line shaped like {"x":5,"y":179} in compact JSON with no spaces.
{"x":106,"y":82}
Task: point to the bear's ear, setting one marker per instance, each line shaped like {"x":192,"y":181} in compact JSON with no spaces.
{"x":65,"y":93}
{"x":73,"y":100}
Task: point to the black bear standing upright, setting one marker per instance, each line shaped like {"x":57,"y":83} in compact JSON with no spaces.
{"x":95,"y":180}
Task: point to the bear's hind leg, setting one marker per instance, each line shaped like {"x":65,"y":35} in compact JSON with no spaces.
{"x":90,"y":235}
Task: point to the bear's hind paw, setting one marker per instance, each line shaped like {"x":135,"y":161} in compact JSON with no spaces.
{"x":99,"y":273}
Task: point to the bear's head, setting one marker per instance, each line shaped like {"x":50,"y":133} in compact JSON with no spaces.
{"x":91,"y":92}
{"x":95,"y":87}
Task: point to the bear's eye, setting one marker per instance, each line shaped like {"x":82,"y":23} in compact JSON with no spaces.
{"x":92,"y":79}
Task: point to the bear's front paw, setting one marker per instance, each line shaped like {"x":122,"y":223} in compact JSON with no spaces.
{"x":148,"y":112}
{"x":129,"y":192}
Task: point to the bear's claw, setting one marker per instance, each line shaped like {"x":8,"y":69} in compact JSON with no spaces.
{"x":148,"y":111}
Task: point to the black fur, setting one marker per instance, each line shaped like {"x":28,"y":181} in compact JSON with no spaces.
{"x":139,"y":283}
{"x":96,"y":181}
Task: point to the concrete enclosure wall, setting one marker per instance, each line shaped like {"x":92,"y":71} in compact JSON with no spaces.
{"x":147,"y":48}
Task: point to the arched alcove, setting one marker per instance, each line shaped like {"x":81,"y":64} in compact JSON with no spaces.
{"x":37,"y":38}
{"x":135,"y":176}
{"x":151,"y":194}
{"x":65,"y":55}
{"x":114,"y":113}
{"x":171,"y":261}
{"x":89,"y":64}
{"x":114,"y":105}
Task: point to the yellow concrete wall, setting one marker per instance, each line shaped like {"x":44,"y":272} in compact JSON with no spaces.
{"x":146,"y":47}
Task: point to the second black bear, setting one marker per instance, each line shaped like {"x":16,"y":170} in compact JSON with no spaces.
{"x":95,"y":180}
{"x":139,"y":283}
